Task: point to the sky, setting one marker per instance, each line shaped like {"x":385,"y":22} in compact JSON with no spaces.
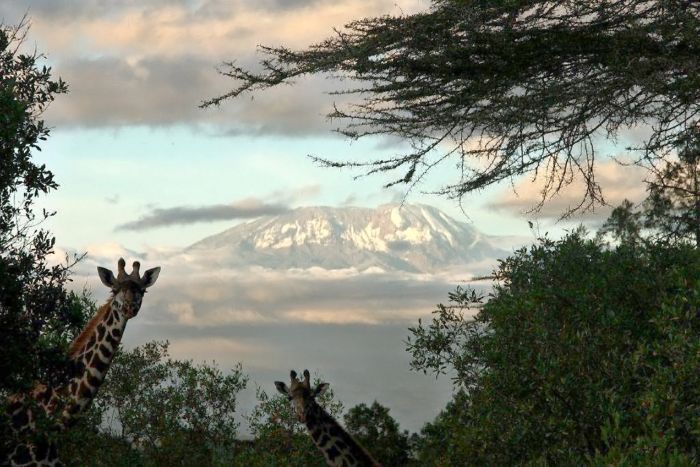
{"x":144,"y":172}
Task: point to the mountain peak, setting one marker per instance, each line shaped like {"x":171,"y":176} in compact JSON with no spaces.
{"x":408,"y":237}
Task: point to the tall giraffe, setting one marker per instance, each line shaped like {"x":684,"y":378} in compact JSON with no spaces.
{"x":336,"y":445}
{"x":91,"y":352}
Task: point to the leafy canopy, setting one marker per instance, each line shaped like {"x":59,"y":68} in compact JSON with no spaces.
{"x":375,"y":429}
{"x":584,"y":353}
{"x":38,"y":316}
{"x":672,"y":208}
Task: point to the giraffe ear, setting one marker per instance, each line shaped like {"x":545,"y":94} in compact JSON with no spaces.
{"x":281,"y":387}
{"x":150,"y":276}
{"x":106,"y":276}
{"x":320,"y":389}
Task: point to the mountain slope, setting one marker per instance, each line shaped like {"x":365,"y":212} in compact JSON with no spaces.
{"x":412,"y":238}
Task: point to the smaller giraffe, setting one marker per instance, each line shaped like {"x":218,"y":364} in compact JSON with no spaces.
{"x":92,"y":352}
{"x":336,"y":445}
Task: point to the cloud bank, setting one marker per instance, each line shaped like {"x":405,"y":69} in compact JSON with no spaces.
{"x":151,"y":64}
{"x":180,"y":215}
{"x":196,"y":290}
{"x":617,"y":182}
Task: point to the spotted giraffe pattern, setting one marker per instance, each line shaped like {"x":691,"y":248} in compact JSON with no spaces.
{"x":92,"y":352}
{"x":336,"y":444}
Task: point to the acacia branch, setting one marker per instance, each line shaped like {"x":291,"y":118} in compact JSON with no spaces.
{"x":543,"y":80}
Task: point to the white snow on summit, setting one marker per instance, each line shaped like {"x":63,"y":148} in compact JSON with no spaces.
{"x":412,"y":238}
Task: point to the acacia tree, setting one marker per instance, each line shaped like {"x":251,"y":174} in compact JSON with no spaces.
{"x":503,"y":88}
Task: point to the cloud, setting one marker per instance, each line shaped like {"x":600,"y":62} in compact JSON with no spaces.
{"x":167,"y":91}
{"x":350,"y":200}
{"x":296,"y":195}
{"x":130,"y":63}
{"x":316,"y":296}
{"x":111,"y":91}
{"x":72,"y":10}
{"x":112,"y":199}
{"x":277,"y":202}
{"x":106,"y":254}
{"x":374,"y":198}
{"x":75,"y":10}
{"x":195,"y":291}
{"x":617,"y":182}
{"x":179,"y":215}
{"x":212,"y":349}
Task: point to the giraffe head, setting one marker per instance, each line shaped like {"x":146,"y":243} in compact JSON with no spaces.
{"x":128,"y":289}
{"x":300,"y":393}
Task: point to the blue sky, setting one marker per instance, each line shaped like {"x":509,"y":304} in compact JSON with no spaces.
{"x":112,"y":176}
{"x":130,"y":143}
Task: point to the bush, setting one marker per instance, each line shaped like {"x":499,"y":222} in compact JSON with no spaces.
{"x":153,"y":410}
{"x":379,"y":433}
{"x":583,"y":353}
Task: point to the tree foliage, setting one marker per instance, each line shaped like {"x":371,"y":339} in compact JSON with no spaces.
{"x":671,"y":211}
{"x":38,"y":317}
{"x":624,"y":224}
{"x":672,"y":208}
{"x":439,"y":346}
{"x":159,"y":411}
{"x":584,"y":353}
{"x":503,"y":88}
{"x":375,"y":429}
{"x":443,"y":441}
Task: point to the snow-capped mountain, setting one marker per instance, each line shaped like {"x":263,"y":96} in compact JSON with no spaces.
{"x":409,"y":237}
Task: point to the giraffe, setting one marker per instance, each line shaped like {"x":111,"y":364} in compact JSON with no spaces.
{"x":91,"y":352}
{"x":336,"y":445}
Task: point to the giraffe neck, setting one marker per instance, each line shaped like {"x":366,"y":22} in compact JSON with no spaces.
{"x":93,"y":351}
{"x":337,"y":446}
{"x":41,"y":453}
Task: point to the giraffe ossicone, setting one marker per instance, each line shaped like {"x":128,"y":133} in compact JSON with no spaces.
{"x":337,"y":446}
{"x":92,"y":353}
